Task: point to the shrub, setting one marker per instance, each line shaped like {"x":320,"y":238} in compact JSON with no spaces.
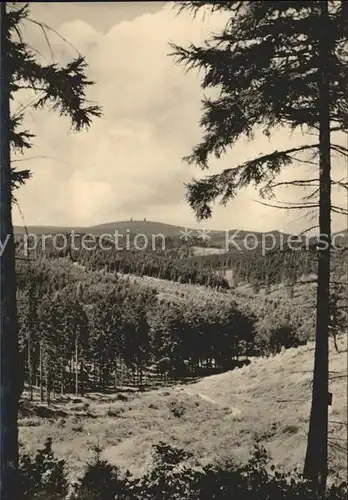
{"x":30,"y":422}
{"x":121,"y":397}
{"x":114,"y":412}
{"x":271,"y":340}
{"x":42,"y":477}
{"x":101,"y":481}
{"x":77,"y":427}
{"x":283,"y":336}
{"x":257,"y":481}
{"x":177,"y":408}
{"x":169,"y":478}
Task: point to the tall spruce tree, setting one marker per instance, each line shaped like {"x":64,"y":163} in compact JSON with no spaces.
{"x":62,"y":87}
{"x":10,"y":385}
{"x":277,"y":64}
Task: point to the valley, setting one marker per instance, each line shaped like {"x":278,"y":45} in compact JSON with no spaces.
{"x":95,"y":325}
{"x":216,"y":418}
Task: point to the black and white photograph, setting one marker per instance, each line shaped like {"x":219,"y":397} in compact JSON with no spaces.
{"x":174,"y":250}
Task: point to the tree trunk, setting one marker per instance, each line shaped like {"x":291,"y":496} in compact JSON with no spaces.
{"x":133,"y":375}
{"x":62,"y":377}
{"x":335,"y":343}
{"x":41,"y":378}
{"x":316,"y":462}
{"x":100,"y":378}
{"x":140,"y":375}
{"x":30,"y":368}
{"x":82,"y":377}
{"x":115,"y":374}
{"x":47,"y":381}
{"x":11,"y":374}
{"x":76,"y":367}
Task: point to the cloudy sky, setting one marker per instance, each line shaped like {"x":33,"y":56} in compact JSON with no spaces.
{"x":129,"y":163}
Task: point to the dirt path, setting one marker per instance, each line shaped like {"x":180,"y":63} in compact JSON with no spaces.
{"x":234,"y":411}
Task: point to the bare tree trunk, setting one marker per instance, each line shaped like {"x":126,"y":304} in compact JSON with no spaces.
{"x":10,"y":368}
{"x":62,"y":383}
{"x":62,"y":376}
{"x":82,"y":377}
{"x":316,"y":462}
{"x":41,"y":373}
{"x":76,"y":366}
{"x":140,"y":375}
{"x":35,"y":369}
{"x":30,"y":368}
{"x":100,"y":379}
{"x":47,"y":381}
{"x":115,"y":374}
{"x":337,"y":349}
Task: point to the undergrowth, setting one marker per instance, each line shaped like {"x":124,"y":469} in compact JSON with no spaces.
{"x":168,"y":478}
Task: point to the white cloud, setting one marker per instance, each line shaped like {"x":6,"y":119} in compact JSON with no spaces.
{"x":129,"y":163}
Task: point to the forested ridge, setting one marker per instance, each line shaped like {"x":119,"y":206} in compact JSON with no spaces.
{"x":89,"y":320}
{"x":178,"y":262}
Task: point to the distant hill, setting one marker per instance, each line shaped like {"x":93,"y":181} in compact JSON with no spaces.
{"x":138,"y":227}
{"x":149,"y":228}
{"x":145,"y":227}
{"x":242,"y":238}
{"x":21,"y":230}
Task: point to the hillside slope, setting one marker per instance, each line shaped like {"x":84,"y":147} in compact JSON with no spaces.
{"x":134,"y":227}
{"x":218,"y":417}
{"x":152,"y":228}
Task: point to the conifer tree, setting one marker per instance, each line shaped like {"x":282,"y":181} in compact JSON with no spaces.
{"x":61,"y":87}
{"x":277,"y":64}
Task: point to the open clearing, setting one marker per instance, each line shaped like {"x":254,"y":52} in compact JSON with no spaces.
{"x":217,"y":417}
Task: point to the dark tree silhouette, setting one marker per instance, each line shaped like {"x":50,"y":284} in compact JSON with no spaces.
{"x":277,"y":64}
{"x":10,"y":379}
{"x":63,"y":88}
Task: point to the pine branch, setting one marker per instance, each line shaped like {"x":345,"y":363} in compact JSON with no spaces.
{"x":62,"y":87}
{"x":194,"y":6}
{"x":261,"y":170}
{"x":340,"y":149}
{"x":289,"y":206}
{"x":265,"y":72}
{"x":316,"y":226}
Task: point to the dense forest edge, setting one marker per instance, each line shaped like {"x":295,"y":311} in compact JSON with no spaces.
{"x":91,"y":319}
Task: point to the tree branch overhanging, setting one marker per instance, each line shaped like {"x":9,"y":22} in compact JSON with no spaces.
{"x":260,"y":172}
{"x":62,"y":87}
